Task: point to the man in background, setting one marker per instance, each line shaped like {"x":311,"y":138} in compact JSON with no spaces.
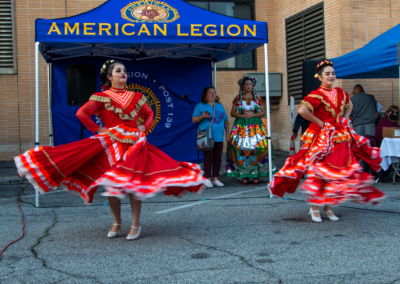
{"x":364,"y":112}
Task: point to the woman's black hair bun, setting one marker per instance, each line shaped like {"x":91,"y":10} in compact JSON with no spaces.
{"x":106,"y":69}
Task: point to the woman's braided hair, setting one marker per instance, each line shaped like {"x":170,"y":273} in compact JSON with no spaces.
{"x":107,"y":69}
{"x":241,"y":91}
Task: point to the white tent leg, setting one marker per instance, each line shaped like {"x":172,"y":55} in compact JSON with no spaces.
{"x":37,"y":106}
{"x":49,"y":100}
{"x":215,"y":75}
{"x":268,"y":116}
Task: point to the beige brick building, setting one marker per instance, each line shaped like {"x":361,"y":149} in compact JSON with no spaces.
{"x":348,"y":25}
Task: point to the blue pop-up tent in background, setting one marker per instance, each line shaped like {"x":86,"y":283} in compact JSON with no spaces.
{"x":377,"y":59}
{"x":146,"y":30}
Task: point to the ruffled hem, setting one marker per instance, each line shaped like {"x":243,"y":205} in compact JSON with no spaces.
{"x":76,"y":187}
{"x":124,"y":134}
{"x":357,"y":189}
{"x":35,"y":173}
{"x":118,"y":183}
{"x":140,"y":193}
{"x":326,"y":183}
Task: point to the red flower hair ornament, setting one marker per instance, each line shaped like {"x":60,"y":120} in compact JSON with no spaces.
{"x":323,"y":63}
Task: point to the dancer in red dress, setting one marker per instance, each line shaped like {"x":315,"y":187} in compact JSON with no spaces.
{"x":330,"y":154}
{"x":119,"y":157}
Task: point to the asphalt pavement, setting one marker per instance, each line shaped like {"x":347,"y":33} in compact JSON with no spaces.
{"x":232,"y":234}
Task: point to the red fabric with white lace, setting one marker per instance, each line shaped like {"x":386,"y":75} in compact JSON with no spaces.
{"x":120,"y":158}
{"x":329,"y":158}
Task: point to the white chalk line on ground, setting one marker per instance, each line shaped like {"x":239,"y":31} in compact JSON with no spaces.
{"x":33,"y":195}
{"x":202,"y":202}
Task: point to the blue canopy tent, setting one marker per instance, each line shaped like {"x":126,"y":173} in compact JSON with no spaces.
{"x":378,"y":59}
{"x":147,"y":29}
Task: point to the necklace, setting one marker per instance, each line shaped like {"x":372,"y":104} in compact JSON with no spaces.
{"x":248,"y":100}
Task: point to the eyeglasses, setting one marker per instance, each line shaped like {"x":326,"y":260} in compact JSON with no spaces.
{"x":395,"y":112}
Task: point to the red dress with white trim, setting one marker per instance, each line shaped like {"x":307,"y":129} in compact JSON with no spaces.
{"x":120,"y":158}
{"x":329,"y":157}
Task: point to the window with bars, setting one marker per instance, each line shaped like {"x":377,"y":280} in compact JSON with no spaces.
{"x":243,"y":9}
{"x":305,"y":39}
{"x":7,"y":38}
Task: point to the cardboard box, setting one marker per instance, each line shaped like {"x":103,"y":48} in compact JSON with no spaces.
{"x":391,"y":132}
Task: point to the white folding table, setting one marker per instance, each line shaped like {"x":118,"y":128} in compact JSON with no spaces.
{"x":390,"y":153}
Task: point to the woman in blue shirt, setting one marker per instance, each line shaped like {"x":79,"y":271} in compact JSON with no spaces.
{"x":203,"y":114}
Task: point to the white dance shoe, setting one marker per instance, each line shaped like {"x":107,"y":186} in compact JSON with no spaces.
{"x":208,"y":183}
{"x":217,"y":183}
{"x":315,"y":219}
{"x":133,"y":237}
{"x":113,"y":234}
{"x":332,"y":218}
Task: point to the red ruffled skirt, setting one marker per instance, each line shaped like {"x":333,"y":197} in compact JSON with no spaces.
{"x":120,"y":159}
{"x":329,"y":159}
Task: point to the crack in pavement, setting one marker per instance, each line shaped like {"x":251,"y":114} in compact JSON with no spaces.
{"x":39,"y":240}
{"x":59,"y":281}
{"x":7,"y":265}
{"x":185,"y":271}
{"x":242,"y":258}
{"x":202,"y":228}
{"x":44,"y":264}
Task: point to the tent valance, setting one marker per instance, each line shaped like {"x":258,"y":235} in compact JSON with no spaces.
{"x":148,"y":29}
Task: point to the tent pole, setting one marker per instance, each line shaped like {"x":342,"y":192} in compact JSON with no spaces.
{"x":268,"y":116}
{"x":215,"y":75}
{"x":37,"y":107}
{"x":49,"y":100}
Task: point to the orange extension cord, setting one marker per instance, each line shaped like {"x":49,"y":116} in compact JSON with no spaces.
{"x":22,"y":221}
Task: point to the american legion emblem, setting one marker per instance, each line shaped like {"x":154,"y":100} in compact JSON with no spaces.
{"x":152,"y":102}
{"x":149,"y":11}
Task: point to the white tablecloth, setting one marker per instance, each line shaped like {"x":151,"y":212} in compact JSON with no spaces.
{"x":390,"y":152}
